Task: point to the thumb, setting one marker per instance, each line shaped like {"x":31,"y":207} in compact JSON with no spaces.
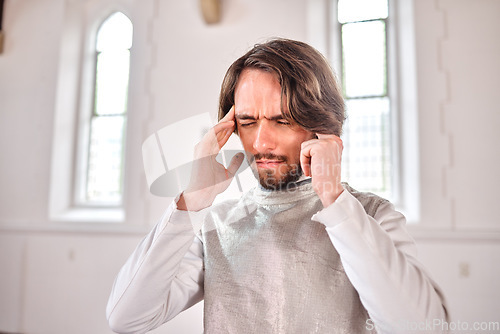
{"x":235,"y":163}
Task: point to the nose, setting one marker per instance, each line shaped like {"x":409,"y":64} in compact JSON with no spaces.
{"x":265,"y":139}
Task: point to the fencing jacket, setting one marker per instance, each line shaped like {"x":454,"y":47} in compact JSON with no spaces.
{"x":278,"y":262}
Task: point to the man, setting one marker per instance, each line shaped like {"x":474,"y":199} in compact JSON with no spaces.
{"x":302,"y":252}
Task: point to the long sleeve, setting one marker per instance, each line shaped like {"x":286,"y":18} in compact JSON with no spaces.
{"x":379,"y":257}
{"x":162,"y":277}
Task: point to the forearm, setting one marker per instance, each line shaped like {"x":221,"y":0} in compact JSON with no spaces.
{"x":379,"y":258}
{"x":162,"y":277}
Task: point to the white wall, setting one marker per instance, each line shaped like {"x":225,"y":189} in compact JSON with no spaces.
{"x":56,"y":278}
{"x":458,"y":76}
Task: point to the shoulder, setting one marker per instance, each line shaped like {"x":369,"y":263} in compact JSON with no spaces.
{"x":223,"y":205}
{"x":227,"y":211}
{"x":370,"y":201}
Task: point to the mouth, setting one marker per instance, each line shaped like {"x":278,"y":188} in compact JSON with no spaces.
{"x":268,"y":163}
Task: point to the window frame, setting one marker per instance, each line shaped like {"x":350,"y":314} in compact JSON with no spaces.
{"x":323,"y":32}
{"x":74,"y":103}
{"x":391,"y":84}
{"x":87,"y":113}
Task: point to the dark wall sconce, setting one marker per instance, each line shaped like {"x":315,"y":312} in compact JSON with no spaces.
{"x":211,"y":10}
{"x":1,"y":31}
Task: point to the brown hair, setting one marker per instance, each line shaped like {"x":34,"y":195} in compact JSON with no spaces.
{"x":308,"y":85}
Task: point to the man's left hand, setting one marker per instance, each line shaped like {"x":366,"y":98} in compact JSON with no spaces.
{"x":320,"y":158}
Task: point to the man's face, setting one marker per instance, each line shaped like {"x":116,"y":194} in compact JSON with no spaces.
{"x":272,"y":143}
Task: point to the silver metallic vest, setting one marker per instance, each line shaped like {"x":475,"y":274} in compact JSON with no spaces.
{"x":270,"y":269}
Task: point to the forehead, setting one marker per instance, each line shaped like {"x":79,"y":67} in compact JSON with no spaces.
{"x":257,"y":92}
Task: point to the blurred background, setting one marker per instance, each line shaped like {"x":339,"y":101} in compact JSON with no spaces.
{"x":84,"y":83}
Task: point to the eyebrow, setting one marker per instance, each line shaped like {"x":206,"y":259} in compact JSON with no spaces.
{"x":250,"y":117}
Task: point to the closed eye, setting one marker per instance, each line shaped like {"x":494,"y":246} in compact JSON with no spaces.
{"x":283,"y":122}
{"x":247,"y":124}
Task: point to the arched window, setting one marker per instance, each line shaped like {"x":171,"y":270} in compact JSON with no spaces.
{"x":103,"y":179}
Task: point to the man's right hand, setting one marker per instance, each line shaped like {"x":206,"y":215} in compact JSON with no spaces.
{"x":208,"y":177}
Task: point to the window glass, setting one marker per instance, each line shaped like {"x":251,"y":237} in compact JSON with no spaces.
{"x":112,"y":82}
{"x":367,"y":161}
{"x":115,"y":33}
{"x":105,"y":159}
{"x":361,"y":10}
{"x":104,"y":180}
{"x":363,"y":46}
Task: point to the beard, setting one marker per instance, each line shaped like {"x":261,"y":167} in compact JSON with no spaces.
{"x":275,"y":179}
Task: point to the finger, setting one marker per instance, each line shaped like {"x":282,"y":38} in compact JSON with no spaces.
{"x":215,"y":138}
{"x":330,"y":137}
{"x":235,"y":163}
{"x":308,"y":143}
{"x":223,"y":126}
{"x":305,"y":160}
{"x":224,"y":138}
{"x":326,"y":136}
{"x":229,"y":116}
{"x":221,"y":133}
